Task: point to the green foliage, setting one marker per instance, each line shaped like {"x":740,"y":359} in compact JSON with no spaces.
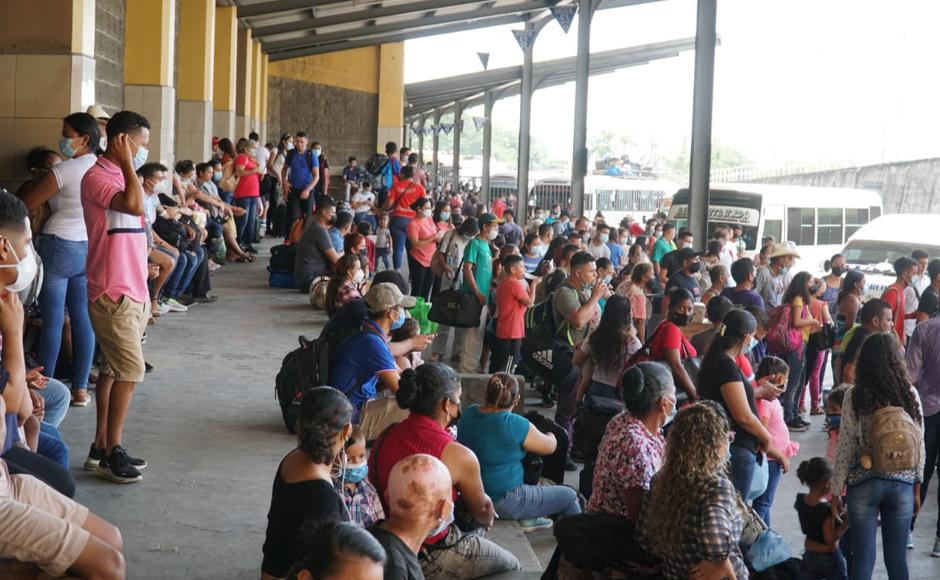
{"x":505,"y":146}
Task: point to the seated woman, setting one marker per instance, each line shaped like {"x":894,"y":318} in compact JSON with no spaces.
{"x":690,"y":519}
{"x":303,"y":494}
{"x":669,"y":345}
{"x":339,"y":550}
{"x":631,"y":451}
{"x":344,"y":285}
{"x":602,"y":355}
{"x":432,"y":395}
{"x":500,"y":439}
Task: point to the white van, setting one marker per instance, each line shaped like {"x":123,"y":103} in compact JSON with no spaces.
{"x":876,"y":245}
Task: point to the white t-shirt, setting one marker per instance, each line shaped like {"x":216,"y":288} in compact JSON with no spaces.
{"x":912,"y":300}
{"x":601,"y":251}
{"x":362,"y":197}
{"x":68,"y":219}
{"x":729,"y":253}
{"x":261,"y":155}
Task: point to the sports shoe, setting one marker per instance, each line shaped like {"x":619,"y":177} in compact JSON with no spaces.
{"x":117,"y":468}
{"x":935,"y":553}
{"x":535,"y":524}
{"x":95,"y":456}
{"x":207,"y":299}
{"x":80,"y":398}
{"x":148,"y":368}
{"x":162,"y":308}
{"x":910,"y":540}
{"x":796,"y":426}
{"x":174,"y":305}
{"x":803,"y":421}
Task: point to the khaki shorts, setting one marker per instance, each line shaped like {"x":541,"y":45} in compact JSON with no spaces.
{"x":39,"y":524}
{"x":119,"y":326}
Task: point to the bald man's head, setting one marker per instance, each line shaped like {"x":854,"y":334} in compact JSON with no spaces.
{"x":418,"y":487}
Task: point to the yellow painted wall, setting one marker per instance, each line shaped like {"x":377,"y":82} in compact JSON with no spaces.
{"x":244,"y":76}
{"x":197,"y":46}
{"x":391,"y":84}
{"x":356,"y":69}
{"x":148,"y":42}
{"x":256,"y":80}
{"x":226,"y":58}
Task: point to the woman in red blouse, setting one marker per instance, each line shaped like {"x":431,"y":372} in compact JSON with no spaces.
{"x":247,"y":194}
{"x":670,"y":346}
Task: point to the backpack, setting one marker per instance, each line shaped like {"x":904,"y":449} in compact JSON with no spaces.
{"x":540,"y":316}
{"x":892,"y":443}
{"x":782,"y":337}
{"x":376,"y":168}
{"x":282,"y":258}
{"x":308,"y":155}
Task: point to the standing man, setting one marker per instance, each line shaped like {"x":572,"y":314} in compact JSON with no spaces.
{"x":923,"y":365}
{"x":322,"y":186}
{"x":510,"y":230}
{"x":690,"y":264}
{"x":772,"y":280}
{"x":119,"y":301}
{"x":663,"y":246}
{"x":929,"y":304}
{"x":913,"y":292}
{"x":389,"y":172}
{"x":299,"y":176}
{"x":477,"y":279}
{"x":904,"y":268}
{"x":598,"y":246}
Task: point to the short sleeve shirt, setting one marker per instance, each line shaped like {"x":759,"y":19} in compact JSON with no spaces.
{"x":682,"y":280}
{"x":743,"y":297}
{"x":357,"y":364}
{"x":668,"y":335}
{"x":929,"y":303}
{"x":661,"y":248}
{"x":565,"y":301}
{"x":478,"y":253}
{"x":422,"y":229}
{"x":403,"y":195}
{"x":400,"y":562}
{"x":117,"y":242}
{"x":68,"y":220}
{"x":512,"y":299}
{"x":299,"y":167}
{"x":311,"y":260}
{"x":496,"y":439}
{"x":248,"y":185}
{"x":710,"y":380}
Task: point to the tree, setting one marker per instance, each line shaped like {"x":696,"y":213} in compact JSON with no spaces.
{"x":723,"y":156}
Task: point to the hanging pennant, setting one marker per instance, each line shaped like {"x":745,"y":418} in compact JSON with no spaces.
{"x":484,"y":59}
{"x":525,"y":38}
{"x":478,"y":122}
{"x":437,"y":128}
{"x":447,"y":127}
{"x":564,"y":15}
{"x":460,"y":125}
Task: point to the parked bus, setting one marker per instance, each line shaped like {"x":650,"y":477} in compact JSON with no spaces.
{"x":613,"y":197}
{"x":817,"y":219}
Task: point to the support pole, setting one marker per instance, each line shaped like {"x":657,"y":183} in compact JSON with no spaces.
{"x":579,"y":154}
{"x":458,"y":113}
{"x":421,"y":141}
{"x":489,"y":99}
{"x":700,"y":159}
{"x":436,"y":168}
{"x":525,"y":121}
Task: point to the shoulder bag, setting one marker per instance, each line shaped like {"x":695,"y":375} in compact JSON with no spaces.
{"x":455,"y":308}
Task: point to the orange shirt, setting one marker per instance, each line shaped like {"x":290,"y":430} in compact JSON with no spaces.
{"x":402,"y":195}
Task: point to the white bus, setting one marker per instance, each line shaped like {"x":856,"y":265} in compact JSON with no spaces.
{"x":614,"y":197}
{"x":817,"y":219}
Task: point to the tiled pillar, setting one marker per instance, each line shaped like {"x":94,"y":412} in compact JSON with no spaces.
{"x":243,"y":82}
{"x":148,"y":71}
{"x":223,"y":74}
{"x":391,"y":94}
{"x":194,"y":116}
{"x":48,"y":67}
{"x":256,"y":72}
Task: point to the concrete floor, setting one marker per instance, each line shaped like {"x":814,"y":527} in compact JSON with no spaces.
{"x":207,"y":422}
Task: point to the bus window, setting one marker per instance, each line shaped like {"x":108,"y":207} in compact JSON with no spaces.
{"x":829,"y":226}
{"x":801,"y":226}
{"x":854,"y":219}
{"x":774,"y":228}
{"x":875,"y":212}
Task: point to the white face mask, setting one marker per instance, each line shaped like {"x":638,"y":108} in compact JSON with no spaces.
{"x":358,"y":277}
{"x":492,"y":235}
{"x":427,"y":213}
{"x":103,"y":143}
{"x":26,"y":269}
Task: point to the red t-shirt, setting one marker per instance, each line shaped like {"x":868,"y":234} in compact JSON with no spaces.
{"x":402,"y":195}
{"x":248,"y":185}
{"x":894,"y":296}
{"x":512,"y":300}
{"x":668,"y":335}
{"x":745,"y":365}
{"x":499,"y":206}
{"x":636,"y":230}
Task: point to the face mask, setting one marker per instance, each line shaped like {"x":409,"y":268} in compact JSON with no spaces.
{"x":65,"y":146}
{"x":317,"y":151}
{"x":103,"y":143}
{"x":400,"y":321}
{"x":750,"y":344}
{"x":680,"y":319}
{"x":186,"y":182}
{"x":838,"y":270}
{"x":603,"y":238}
{"x":684,"y":245}
{"x":492,"y":235}
{"x":784,"y":270}
{"x":833,"y":421}
{"x":445,"y":523}
{"x":445,"y":215}
{"x":455,"y":419}
{"x":355,"y":473}
{"x":140,"y":157}
{"x":358,"y":277}
{"x":607,"y":280}
{"x":26,"y":269}
{"x":290,"y":146}
{"x":427,"y":213}
{"x":217,"y":176}
{"x":813,"y":290}
{"x":672,"y":416}
{"x":695,"y":267}
{"x":332,"y":221}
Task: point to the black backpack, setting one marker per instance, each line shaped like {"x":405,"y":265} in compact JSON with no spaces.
{"x":283,"y":257}
{"x":375,"y":171}
{"x":308,"y":155}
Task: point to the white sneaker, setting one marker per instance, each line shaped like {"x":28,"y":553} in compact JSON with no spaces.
{"x":935,"y":553}
{"x":174,"y":306}
{"x":162,"y":308}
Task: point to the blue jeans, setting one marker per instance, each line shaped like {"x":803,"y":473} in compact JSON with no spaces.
{"x":764,"y":502}
{"x":599,"y":389}
{"x":183,"y":273}
{"x":822,"y":566}
{"x":246,"y":223}
{"x":525,"y":502}
{"x":51,"y":446}
{"x":57,"y":398}
{"x":365,"y":216}
{"x":65,"y":284}
{"x":791,"y":406}
{"x":399,"y":230}
{"x":743,"y":462}
{"x":894,"y":502}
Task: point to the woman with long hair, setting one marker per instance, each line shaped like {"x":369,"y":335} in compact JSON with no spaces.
{"x":691,"y":513}
{"x":345,"y":284}
{"x":848,"y":305}
{"x":834,"y":282}
{"x":423,"y":237}
{"x":669,"y":345}
{"x":602,"y":355}
{"x":63,"y":248}
{"x":228,"y":166}
{"x":797,"y":297}
{"x":303,"y":494}
{"x":893,"y":494}
{"x":635,"y":287}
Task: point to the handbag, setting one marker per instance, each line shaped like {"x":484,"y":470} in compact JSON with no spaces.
{"x":769,"y":550}
{"x":455,"y":308}
{"x":824,"y":338}
{"x":228,"y":182}
{"x":760,"y":479}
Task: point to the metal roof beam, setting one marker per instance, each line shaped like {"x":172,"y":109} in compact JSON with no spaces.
{"x":357,"y":33}
{"x":277,"y":6}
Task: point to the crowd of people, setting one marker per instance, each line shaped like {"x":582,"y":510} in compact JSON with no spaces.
{"x":681,"y":415}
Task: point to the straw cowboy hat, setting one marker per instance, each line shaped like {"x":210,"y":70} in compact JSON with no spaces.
{"x":783,"y":250}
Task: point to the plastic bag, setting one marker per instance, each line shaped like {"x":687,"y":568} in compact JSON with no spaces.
{"x":420,"y":313}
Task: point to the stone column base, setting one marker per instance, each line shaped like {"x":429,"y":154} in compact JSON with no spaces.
{"x":223,"y":123}
{"x":194,"y":131}
{"x":158,"y":104}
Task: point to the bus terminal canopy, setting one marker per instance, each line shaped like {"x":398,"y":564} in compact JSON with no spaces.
{"x":294,"y":28}
{"x":423,"y":98}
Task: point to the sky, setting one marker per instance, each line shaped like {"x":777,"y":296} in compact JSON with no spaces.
{"x":796,"y":81}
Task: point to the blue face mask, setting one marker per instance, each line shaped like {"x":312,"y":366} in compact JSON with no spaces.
{"x":217,"y":176}
{"x":445,"y":523}
{"x":140,"y":157}
{"x":833,"y":421}
{"x":445,"y":215}
{"x":356,"y":473}
{"x":750,"y":345}
{"x":672,"y":416}
{"x":401,"y":320}
{"x":65,"y":147}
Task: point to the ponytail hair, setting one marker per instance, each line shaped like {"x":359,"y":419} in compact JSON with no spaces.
{"x":421,"y":390}
{"x":502,"y":390}
{"x":814,"y":471}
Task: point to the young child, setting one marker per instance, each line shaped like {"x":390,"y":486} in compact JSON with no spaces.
{"x":410,"y":329}
{"x":365,"y":229}
{"x":775,"y":371}
{"x":822,"y":558}
{"x":360,"y":496}
{"x":834,"y":419}
{"x":513,"y":297}
{"x":383,"y":241}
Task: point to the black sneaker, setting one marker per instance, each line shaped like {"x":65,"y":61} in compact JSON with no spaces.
{"x":796,"y":426}
{"x":205,"y":299}
{"x":117,"y":468}
{"x":148,"y":368}
{"x":569,"y":465}
{"x":803,"y":421}
{"x":185,"y":300}
{"x":96,"y":456}
{"x":251,"y":250}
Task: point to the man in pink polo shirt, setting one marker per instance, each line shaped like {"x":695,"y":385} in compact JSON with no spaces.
{"x":118,"y":299}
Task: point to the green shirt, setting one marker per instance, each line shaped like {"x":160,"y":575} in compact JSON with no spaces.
{"x":478,"y":253}
{"x":661,"y":248}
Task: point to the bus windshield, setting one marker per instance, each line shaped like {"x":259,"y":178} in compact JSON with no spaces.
{"x":725,"y":208}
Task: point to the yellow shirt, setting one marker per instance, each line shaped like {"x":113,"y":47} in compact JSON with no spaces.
{"x":798,"y":303}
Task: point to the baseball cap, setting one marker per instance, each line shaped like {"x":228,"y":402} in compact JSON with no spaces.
{"x":97,"y":112}
{"x":387,"y":295}
{"x":488,"y":218}
{"x":687,"y":254}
